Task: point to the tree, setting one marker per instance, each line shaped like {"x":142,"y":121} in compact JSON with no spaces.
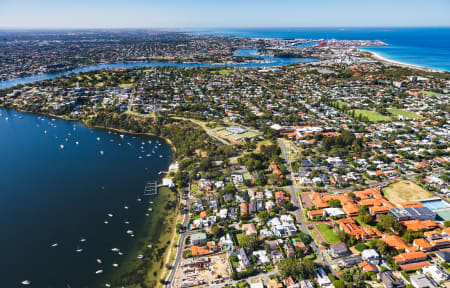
{"x":299,"y":270}
{"x":339,"y":283}
{"x":334,"y":203}
{"x":388,"y":222}
{"x":248,"y":241}
{"x":263,"y":216}
{"x":289,"y":206}
{"x":341,"y":235}
{"x":366,"y":219}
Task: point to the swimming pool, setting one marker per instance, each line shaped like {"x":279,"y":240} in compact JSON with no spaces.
{"x":434,"y":204}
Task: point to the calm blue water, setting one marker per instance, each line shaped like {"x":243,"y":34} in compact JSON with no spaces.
{"x":266,"y":61}
{"x":49,"y":195}
{"x":429,"y":47}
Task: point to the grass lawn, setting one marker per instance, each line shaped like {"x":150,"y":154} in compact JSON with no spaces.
{"x":126,"y":85}
{"x":428,"y":93}
{"x":404,"y":113}
{"x":340,"y":104}
{"x":372,"y":115}
{"x":222,"y":72}
{"x":194,"y":188}
{"x":405,"y":191}
{"x":134,"y":113}
{"x":328,"y":233}
{"x":239,"y":237}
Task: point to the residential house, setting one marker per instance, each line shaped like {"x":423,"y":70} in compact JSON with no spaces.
{"x":338,"y":250}
{"x":389,"y":281}
{"x":422,"y":281}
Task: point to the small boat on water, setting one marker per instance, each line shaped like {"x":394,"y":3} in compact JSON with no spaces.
{"x":140,"y":256}
{"x":26,"y":282}
{"x":83,"y":240}
{"x":98,"y":138}
{"x":127,"y":222}
{"x":79,"y":250}
{"x":106,"y":222}
{"x":115,"y":249}
{"x":110,"y":215}
{"x":101,"y":152}
{"x":149,"y":209}
{"x":77,"y":142}
{"x":126,"y":207}
{"x":115,"y":265}
{"x":121,"y":136}
{"x":55,"y":245}
{"x":45,"y":131}
{"x":160,"y":156}
{"x":99,"y":261}
{"x":107,"y":285}
{"x":61,"y":146}
{"x":99,"y":271}
{"x":130,"y":232}
{"x":139,"y":199}
{"x":120,"y":253}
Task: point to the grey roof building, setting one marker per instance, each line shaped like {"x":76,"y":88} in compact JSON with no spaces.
{"x":423,"y":281}
{"x":198,"y":238}
{"x":413,"y":213}
{"x":389,"y":281}
{"x":338,"y":250}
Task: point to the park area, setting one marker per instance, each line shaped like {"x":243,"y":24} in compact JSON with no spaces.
{"x":371,"y":115}
{"x":404,"y":113}
{"x":405,"y":191}
{"x":328,"y":233}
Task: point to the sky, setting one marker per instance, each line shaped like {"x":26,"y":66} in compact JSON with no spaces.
{"x":222,"y":13}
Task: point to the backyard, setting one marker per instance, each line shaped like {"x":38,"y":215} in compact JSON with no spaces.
{"x":328,"y":233}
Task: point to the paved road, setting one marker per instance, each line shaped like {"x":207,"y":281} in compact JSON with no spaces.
{"x":298,"y":212}
{"x":180,"y":246}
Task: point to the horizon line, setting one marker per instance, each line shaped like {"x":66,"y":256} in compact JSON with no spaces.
{"x":212,"y":27}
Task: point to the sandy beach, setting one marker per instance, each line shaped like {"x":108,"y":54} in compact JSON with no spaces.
{"x":401,"y":64}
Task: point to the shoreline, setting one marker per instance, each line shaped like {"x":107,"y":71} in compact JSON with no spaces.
{"x":387,"y":61}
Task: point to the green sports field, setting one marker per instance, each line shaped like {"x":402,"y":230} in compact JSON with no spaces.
{"x":404,"y":113}
{"x":372,"y":115}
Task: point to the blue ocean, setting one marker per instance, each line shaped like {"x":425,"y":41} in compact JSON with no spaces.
{"x":427,"y":47}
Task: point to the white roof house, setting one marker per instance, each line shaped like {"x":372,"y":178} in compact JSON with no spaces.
{"x":262,"y":256}
{"x":436,"y":273}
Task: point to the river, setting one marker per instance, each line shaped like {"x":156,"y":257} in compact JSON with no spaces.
{"x":265,"y":61}
{"x":62,"y":194}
